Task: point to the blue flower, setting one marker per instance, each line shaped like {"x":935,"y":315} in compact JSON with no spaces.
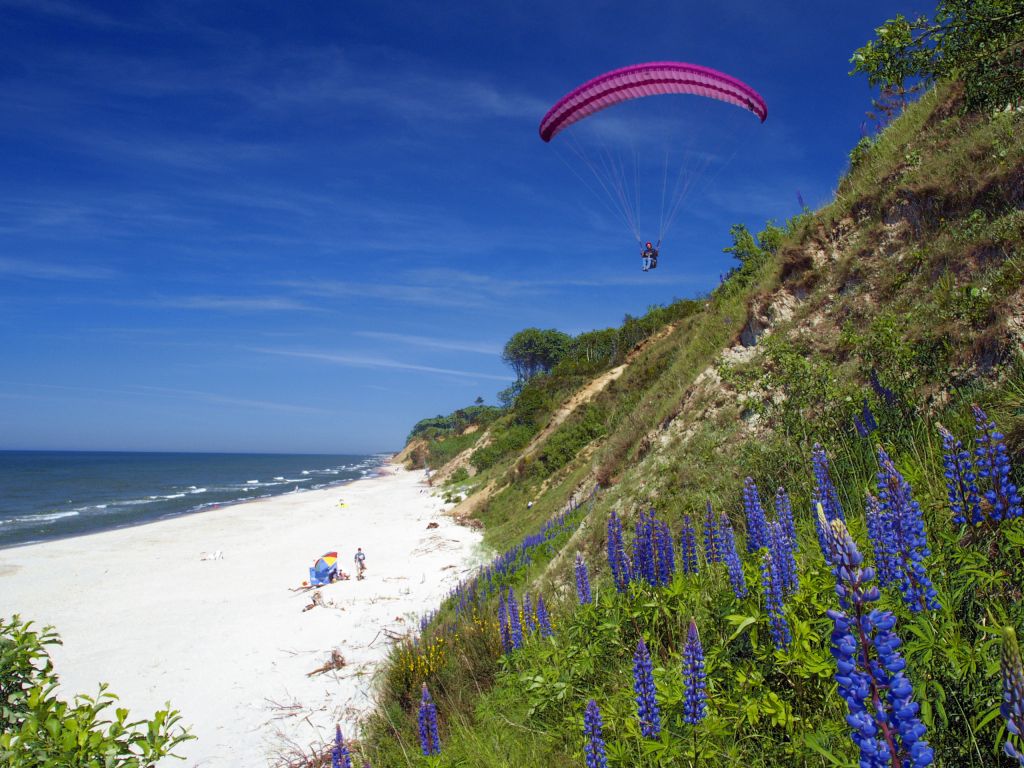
{"x":883,"y":541}
{"x":903,"y":513}
{"x":643,"y":561}
{"x":531,"y":624}
{"x":780,"y":546}
{"x":869,"y":668}
{"x":503,"y":625}
{"x":340,"y":758}
{"x":713,"y":550}
{"x":430,"y":742}
{"x":643,"y":685}
{"x":994,"y":465}
{"x":688,"y":546}
{"x":515,"y":626}
{"x":543,"y":619}
{"x":784,"y":516}
{"x":825,"y":492}
{"x":886,"y":394}
{"x":593,"y":747}
{"x":617,"y":554}
{"x":582,"y":582}
{"x":665,"y":552}
{"x":961,"y":487}
{"x":771,"y":582}
{"x":1012,"y":708}
{"x":694,"y":697}
{"x":732,"y":559}
{"x":757,"y":525}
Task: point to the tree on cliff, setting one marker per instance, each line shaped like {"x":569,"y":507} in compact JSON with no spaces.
{"x":978,"y":42}
{"x":533,"y":351}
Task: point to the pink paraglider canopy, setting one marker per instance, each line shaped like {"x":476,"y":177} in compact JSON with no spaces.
{"x":652,"y":79}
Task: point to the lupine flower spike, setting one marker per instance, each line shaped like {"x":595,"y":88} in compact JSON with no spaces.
{"x":528,"y":620}
{"x":961,"y":485}
{"x":593,"y":747}
{"x":515,"y":625}
{"x":757,"y":525}
{"x":784,"y":516}
{"x":340,"y":758}
{"x":617,"y":554}
{"x":543,"y":619}
{"x":732,"y":559}
{"x":688,"y":546}
{"x":643,"y":686}
{"x":665,"y":551}
{"x":694,"y":698}
{"x":869,"y":667}
{"x":503,"y":625}
{"x":771,"y":582}
{"x":582,"y":582}
{"x":994,"y":466}
{"x":713,"y":550}
{"x":430,"y":742}
{"x":1012,"y":707}
{"x":903,"y":514}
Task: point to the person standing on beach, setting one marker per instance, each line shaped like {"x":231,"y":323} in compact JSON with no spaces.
{"x":360,"y":563}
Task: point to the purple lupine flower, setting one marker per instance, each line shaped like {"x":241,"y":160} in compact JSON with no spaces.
{"x":643,"y":565}
{"x":582,"y":582}
{"x":859,"y":426}
{"x":430,"y":742}
{"x":1012,"y":708}
{"x":883,"y":541}
{"x":757,"y":525}
{"x":904,"y":514}
{"x":531,"y":624}
{"x":732,"y":559}
{"x":867,"y":417}
{"x":688,"y":546}
{"x":961,"y":487}
{"x":771,"y":582}
{"x":643,"y":685}
{"x":515,"y":626}
{"x":543,"y":619}
{"x":665,"y":549}
{"x":883,"y":714}
{"x":780,"y":546}
{"x":593,"y":747}
{"x":994,"y":466}
{"x":886,"y":394}
{"x":340,"y":758}
{"x":503,"y":625}
{"x":713,"y":550}
{"x":784,"y":515}
{"x":617,"y":553}
{"x":825,"y":492}
{"x":695,"y":698}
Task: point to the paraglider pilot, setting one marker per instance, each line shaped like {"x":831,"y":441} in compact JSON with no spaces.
{"x":650,"y":256}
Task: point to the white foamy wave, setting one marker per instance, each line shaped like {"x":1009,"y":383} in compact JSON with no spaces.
{"x":174,"y":496}
{"x":252,"y":482}
{"x":279,"y":478}
{"x":45,"y":518}
{"x":197,"y":490}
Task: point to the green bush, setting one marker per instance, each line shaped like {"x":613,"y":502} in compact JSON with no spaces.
{"x":38,"y":729}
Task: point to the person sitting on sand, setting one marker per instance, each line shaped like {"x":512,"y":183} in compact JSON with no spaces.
{"x":360,"y":563}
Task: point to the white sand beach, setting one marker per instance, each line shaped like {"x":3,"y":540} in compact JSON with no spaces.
{"x":224,"y":639}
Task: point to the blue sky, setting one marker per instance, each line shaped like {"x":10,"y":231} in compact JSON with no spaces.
{"x":302,"y":226}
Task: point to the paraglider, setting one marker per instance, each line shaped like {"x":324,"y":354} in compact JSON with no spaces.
{"x":621,"y":180}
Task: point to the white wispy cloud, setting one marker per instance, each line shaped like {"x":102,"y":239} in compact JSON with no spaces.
{"x":356,"y":361}
{"x":41,"y":270}
{"x":235,"y":303}
{"x":242,"y":402}
{"x":482,"y":348}
{"x":70,"y":11}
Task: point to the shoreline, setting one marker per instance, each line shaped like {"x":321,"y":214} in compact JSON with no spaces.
{"x":224,"y":639}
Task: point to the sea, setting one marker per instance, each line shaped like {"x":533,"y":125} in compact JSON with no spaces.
{"x":55,"y":494}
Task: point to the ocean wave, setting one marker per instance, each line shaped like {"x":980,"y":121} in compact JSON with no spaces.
{"x":45,"y":518}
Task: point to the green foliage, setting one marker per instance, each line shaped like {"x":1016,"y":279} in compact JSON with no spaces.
{"x":455,"y":422}
{"x":39,"y":729}
{"x":978,"y":43}
{"x":532,"y":351}
{"x":860,"y":151}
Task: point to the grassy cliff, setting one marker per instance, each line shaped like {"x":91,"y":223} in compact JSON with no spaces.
{"x":860,"y":326}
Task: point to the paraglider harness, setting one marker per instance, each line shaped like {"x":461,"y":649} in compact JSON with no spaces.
{"x":650,"y":256}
